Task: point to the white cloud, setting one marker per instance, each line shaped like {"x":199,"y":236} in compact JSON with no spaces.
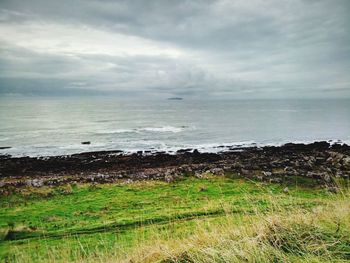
{"x":63,"y":39}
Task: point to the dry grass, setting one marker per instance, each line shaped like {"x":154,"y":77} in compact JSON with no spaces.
{"x":258,"y":224}
{"x":320,"y":235}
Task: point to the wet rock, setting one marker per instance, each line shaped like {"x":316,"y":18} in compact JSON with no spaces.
{"x":322,"y":145}
{"x":86,"y":142}
{"x":184,"y":150}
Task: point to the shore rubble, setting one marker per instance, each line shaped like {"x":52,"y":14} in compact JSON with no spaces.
{"x":320,"y":161}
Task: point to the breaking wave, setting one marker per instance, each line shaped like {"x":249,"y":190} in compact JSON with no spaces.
{"x":161,"y":129}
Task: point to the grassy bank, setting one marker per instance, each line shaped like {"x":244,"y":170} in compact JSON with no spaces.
{"x":220,"y":219}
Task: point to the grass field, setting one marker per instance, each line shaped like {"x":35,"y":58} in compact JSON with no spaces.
{"x":216,"y":219}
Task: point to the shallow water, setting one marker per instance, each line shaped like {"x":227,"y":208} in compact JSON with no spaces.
{"x":54,"y":126}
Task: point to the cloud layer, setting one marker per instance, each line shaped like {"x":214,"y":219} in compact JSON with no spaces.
{"x":236,"y":49}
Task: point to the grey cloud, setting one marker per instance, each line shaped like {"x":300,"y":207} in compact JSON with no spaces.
{"x":229,"y":48}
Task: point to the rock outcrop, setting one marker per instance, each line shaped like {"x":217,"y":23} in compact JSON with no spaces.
{"x":319,"y":161}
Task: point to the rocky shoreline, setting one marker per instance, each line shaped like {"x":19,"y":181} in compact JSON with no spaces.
{"x":320,"y":161}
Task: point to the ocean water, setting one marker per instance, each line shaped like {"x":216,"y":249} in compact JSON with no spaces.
{"x":57,"y":126}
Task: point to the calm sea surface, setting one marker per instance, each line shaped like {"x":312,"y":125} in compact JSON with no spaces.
{"x":57,"y":126}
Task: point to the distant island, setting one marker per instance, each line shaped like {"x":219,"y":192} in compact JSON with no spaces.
{"x":175,"y":98}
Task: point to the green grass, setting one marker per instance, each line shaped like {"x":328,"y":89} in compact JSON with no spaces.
{"x":91,"y":223}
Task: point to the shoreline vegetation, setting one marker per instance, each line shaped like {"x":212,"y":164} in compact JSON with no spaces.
{"x":269,"y":204}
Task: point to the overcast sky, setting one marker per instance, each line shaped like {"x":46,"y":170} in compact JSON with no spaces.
{"x":225,"y":48}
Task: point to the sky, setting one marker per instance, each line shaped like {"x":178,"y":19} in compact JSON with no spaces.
{"x":163,"y":48}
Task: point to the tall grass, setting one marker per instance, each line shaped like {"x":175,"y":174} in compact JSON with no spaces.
{"x":260,"y":225}
{"x":320,"y":235}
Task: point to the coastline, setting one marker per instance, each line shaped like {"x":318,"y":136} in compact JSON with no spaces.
{"x":321,"y":162}
{"x":83,"y":147}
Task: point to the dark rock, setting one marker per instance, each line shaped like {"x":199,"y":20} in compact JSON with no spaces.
{"x":245,"y":172}
{"x":290,"y":171}
{"x":318,"y":161}
{"x":237,"y":165}
{"x":87,"y":142}
{"x":322,"y":145}
{"x":184,"y":150}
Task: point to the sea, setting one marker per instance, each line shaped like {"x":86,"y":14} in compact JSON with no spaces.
{"x":58,"y":126}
